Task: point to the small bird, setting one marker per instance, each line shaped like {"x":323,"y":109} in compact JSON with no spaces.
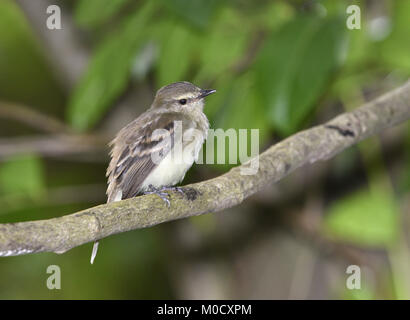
{"x":143,"y":158}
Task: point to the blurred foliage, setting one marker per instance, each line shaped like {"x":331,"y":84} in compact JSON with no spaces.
{"x":279,"y":66}
{"x":196,"y":12}
{"x":24,"y":174}
{"x":108,"y":72}
{"x":31,"y":81}
{"x":93,"y":13}
{"x":394,"y":51}
{"x":364,"y":218}
{"x":405,"y":179}
{"x":304,"y":50}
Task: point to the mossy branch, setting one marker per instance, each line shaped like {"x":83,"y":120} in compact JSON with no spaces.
{"x":318,"y":143}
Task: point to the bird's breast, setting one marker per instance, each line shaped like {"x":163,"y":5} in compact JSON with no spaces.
{"x":172,"y":169}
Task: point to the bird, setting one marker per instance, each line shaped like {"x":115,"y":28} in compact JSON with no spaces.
{"x":153,"y":152}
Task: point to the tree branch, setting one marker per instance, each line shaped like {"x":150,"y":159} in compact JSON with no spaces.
{"x":318,"y":143}
{"x":32,"y":117}
{"x":53,"y":145}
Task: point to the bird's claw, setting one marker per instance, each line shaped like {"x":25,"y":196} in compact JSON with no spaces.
{"x":189,"y":193}
{"x":178,"y":189}
{"x":159,"y":192}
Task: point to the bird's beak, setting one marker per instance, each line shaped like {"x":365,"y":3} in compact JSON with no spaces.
{"x":206,"y":92}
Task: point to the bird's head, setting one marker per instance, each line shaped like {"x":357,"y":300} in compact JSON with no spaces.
{"x":181,"y":95}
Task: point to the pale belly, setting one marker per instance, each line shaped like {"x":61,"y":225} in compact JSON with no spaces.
{"x":172,"y":169}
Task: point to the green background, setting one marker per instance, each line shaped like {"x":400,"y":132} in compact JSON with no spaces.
{"x":278,"y":66}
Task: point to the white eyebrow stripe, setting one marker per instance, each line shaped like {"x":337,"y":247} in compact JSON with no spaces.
{"x":185,"y":96}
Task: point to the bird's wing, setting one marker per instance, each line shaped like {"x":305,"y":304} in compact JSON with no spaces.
{"x":132,"y":155}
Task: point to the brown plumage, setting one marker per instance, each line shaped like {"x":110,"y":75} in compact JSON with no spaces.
{"x":132,"y":148}
{"x":176,"y":109}
{"x":131,"y":160}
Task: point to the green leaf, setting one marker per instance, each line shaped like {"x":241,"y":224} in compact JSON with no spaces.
{"x":242,"y":108}
{"x":295,"y":66}
{"x":195,"y":12}
{"x":108,"y":72}
{"x":178,"y":44}
{"x":395,"y":50}
{"x":364,"y":218}
{"x":217,"y":54}
{"x":22,"y":175}
{"x":92,"y":13}
{"x":25,"y":75}
{"x":236,"y":106}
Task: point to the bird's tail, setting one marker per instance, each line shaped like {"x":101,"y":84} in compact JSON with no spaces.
{"x":117,"y":197}
{"x":94,"y":253}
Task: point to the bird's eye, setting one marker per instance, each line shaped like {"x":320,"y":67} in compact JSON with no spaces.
{"x":182,"y":101}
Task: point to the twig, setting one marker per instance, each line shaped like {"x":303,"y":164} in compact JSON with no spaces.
{"x":318,"y":143}
{"x":32,"y":118}
{"x":53,"y":145}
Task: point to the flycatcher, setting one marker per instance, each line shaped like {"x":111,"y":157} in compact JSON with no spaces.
{"x":152,"y":153}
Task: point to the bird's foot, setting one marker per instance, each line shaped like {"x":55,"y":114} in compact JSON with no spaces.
{"x":189,"y":193}
{"x":160,"y":193}
{"x":173,"y":188}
